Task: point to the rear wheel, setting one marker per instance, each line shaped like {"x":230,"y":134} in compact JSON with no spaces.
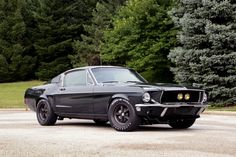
{"x":100,"y":122}
{"x":122,"y":115}
{"x":44,"y":113}
{"x":181,"y":123}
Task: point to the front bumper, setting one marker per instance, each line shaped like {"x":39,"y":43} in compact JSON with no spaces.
{"x":158,"y":110}
{"x":31,"y":103}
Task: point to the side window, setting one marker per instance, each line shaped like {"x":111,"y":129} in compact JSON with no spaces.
{"x":75,"y":78}
{"x":56,"y":79}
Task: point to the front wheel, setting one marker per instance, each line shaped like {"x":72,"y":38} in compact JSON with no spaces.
{"x":181,"y":123}
{"x":122,"y":115}
{"x":44,"y":113}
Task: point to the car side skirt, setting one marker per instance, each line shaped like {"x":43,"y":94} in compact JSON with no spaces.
{"x":83,"y":116}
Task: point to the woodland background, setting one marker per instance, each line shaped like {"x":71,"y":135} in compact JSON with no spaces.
{"x":189,"y":42}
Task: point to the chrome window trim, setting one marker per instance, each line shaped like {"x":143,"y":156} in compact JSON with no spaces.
{"x":62,"y":79}
{"x":93,"y":77}
{"x":88,"y":75}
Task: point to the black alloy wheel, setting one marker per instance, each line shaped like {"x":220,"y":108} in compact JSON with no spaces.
{"x":43,"y":112}
{"x":45,"y":115}
{"x":122,"y":115}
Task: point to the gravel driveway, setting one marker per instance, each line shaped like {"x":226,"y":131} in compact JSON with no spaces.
{"x":22,"y":136}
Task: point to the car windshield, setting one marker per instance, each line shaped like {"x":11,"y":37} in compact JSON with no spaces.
{"x":114,"y":75}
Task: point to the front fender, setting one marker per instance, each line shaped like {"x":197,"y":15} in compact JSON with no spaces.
{"x":133,"y":98}
{"x":123,"y":96}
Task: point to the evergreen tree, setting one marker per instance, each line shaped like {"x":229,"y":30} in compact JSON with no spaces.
{"x":16,"y":60}
{"x":142,"y":36}
{"x":207,"y":56}
{"x":59,"y":23}
{"x":88,"y":49}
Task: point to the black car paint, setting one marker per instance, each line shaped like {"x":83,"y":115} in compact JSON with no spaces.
{"x":92,"y":101}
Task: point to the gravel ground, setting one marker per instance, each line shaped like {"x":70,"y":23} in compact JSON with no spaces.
{"x":22,"y":136}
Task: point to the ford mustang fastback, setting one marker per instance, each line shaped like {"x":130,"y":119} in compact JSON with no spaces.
{"x":115,"y":94}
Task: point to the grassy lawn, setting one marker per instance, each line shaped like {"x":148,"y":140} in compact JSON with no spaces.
{"x":12,"y":94}
{"x":231,"y":108}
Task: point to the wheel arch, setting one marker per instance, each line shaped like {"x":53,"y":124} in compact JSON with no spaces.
{"x":40,"y":98}
{"x":117,"y":96}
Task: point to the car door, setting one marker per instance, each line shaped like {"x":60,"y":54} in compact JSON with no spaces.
{"x":75,"y":95}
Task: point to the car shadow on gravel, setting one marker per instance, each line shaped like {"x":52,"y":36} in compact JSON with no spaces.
{"x":82,"y":124}
{"x":160,"y":128}
{"x":142,"y":128}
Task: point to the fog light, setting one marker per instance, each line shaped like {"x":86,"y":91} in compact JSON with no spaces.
{"x":187,"y":96}
{"x":180,"y":96}
{"x":146,"y":97}
{"x":138,"y":109}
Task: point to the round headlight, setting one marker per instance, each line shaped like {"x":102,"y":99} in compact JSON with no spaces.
{"x":146,"y":97}
{"x":187,"y":96}
{"x":180,"y":96}
{"x":204,"y":97}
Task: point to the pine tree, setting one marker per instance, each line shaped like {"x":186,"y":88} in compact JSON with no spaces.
{"x":88,"y":49}
{"x":142,"y":36}
{"x":59,"y":23}
{"x":207,"y":57}
{"x":16,"y":60}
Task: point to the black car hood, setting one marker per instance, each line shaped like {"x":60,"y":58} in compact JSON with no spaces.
{"x":155,"y":86}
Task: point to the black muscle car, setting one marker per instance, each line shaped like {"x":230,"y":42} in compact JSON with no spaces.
{"x":115,"y":94}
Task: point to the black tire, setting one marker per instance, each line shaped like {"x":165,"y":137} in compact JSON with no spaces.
{"x":122,"y":115}
{"x":45,"y":114}
{"x":100,"y":122}
{"x":182,"y":123}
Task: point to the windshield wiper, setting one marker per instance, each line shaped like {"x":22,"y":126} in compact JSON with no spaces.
{"x":122,"y":82}
{"x":110,"y":81}
{"x":133,"y":82}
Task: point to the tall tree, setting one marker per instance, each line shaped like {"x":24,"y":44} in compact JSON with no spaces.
{"x":88,"y":48}
{"x":16,"y":60}
{"x":207,"y":56}
{"x":142,"y":36}
{"x":59,"y":23}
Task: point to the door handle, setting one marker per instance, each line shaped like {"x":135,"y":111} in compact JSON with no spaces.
{"x":62,"y":89}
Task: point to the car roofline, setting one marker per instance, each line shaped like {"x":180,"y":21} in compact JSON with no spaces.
{"x":93,"y":67}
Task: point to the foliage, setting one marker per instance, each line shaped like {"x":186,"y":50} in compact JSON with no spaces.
{"x":59,"y":23}
{"x":88,"y":48}
{"x":221,"y":107}
{"x":16,"y":60}
{"x":36,"y":36}
{"x":141,"y":38}
{"x":207,"y":56}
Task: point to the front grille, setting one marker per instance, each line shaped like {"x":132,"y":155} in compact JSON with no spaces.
{"x":156,"y":95}
{"x":171,"y":96}
{"x":182,"y":111}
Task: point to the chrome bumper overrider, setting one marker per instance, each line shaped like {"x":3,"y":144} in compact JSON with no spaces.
{"x":201,"y":106}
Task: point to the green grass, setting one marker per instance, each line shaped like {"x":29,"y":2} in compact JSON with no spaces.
{"x":12,"y":94}
{"x":230,"y":108}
